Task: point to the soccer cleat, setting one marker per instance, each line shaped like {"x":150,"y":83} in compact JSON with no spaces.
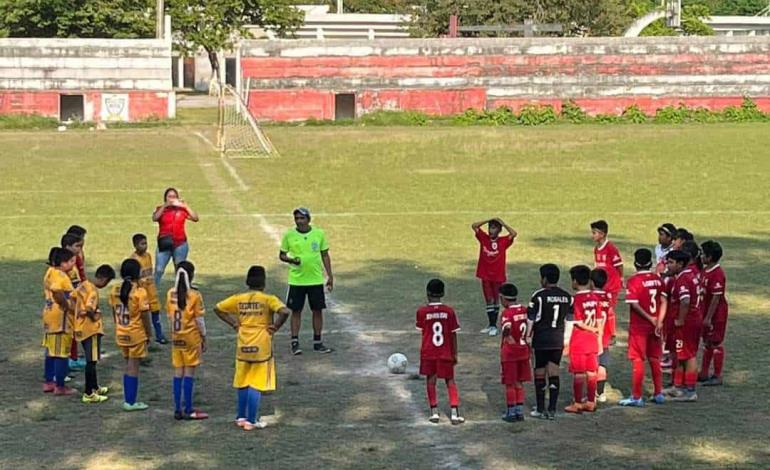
{"x":637,"y":402}
{"x":658,"y":399}
{"x":64,"y":391}
{"x":295,"y":349}
{"x":510,"y":416}
{"x":713,"y":381}
{"x":67,"y":379}
{"x":197,"y":414}
{"x":161,"y":340}
{"x":249,"y":426}
{"x":74,"y":365}
{"x":93,"y":398}
{"x":601,"y":397}
{"x":576,"y":408}
{"x":702,"y":380}
{"x":179,"y":415}
{"x":519,"y":412}
{"x":670,"y":390}
{"x":551,"y":414}
{"x":240,"y":422}
{"x":49,"y":387}
{"x":492,"y":331}
{"x":434,"y":416}
{"x":485,"y":330}
{"x":687,"y":396}
{"x":455,"y":417}
{"x":589,"y":406}
{"x":538,"y":414}
{"x":675,"y":392}
{"x":138,"y":406}
{"x":103,"y":390}
{"x":322,"y":349}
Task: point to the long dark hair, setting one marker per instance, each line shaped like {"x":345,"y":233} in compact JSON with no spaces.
{"x":184,"y":276}
{"x":129,"y":271}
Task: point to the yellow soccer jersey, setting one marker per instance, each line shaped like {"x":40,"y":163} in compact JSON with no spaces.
{"x":129,"y":327}
{"x":255,"y":312}
{"x":146,"y":275}
{"x":55,"y":319}
{"x":74,"y":276}
{"x":184,"y":328}
{"x":87,"y":299}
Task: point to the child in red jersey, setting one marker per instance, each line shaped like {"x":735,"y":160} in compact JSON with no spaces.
{"x":715,"y":320}
{"x":491,"y":266}
{"x":607,"y":257}
{"x":438,"y":352}
{"x":514,"y":352}
{"x":598,"y":281}
{"x":584,"y":331}
{"x":647,"y":306}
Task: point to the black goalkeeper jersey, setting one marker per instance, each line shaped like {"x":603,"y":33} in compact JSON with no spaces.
{"x":548,"y":309}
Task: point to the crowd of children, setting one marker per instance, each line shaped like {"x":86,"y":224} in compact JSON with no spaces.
{"x":676,"y":303}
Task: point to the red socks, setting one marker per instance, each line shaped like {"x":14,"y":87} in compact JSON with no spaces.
{"x":519,"y":395}
{"x":454,"y":395}
{"x":591,"y":389}
{"x":577,"y":388}
{"x":705,"y":365}
{"x":678,"y":377}
{"x":431,"y":388}
{"x":690,"y":378}
{"x":74,"y":350}
{"x":637,"y":378}
{"x":657,"y":376}
{"x":719,"y":360}
{"x":511,"y":395}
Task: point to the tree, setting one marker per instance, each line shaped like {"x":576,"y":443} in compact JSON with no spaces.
{"x":215,"y":25}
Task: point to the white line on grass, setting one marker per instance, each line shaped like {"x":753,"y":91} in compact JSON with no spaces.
{"x":227,"y":164}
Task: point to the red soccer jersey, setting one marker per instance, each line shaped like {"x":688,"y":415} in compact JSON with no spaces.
{"x":80,"y":264}
{"x":492,"y":259}
{"x":685,"y":286}
{"x":714,"y":283}
{"x":437,"y":322}
{"x":513,"y":346}
{"x":645,"y":289}
{"x":603,"y":311}
{"x":585,"y":309}
{"x":607,"y":257}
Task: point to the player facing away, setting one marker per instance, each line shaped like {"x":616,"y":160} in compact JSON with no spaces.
{"x":684,"y":303}
{"x":185,"y":309}
{"x":584,"y":332}
{"x":58,"y":314}
{"x":438,"y":352}
{"x":131,"y":311}
{"x":598,"y":281}
{"x":514,"y":352}
{"x":147,"y":281}
{"x":607,"y":257}
{"x":74,"y":242}
{"x":666,"y":233}
{"x":492,"y":265}
{"x":89,"y":329}
{"x":715,"y":321}
{"x":255,"y":316}
{"x":548,"y":309}
{"x":647,"y":310}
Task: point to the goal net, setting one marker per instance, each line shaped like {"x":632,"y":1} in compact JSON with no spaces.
{"x":238,"y":134}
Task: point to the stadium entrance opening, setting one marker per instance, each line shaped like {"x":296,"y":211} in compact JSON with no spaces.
{"x":344,"y":106}
{"x":71,"y":108}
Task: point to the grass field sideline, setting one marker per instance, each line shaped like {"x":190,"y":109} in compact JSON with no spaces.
{"x":396,"y":204}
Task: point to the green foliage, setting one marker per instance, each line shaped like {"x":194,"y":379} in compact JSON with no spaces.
{"x":606,"y":119}
{"x":573,"y":113}
{"x":532,"y":115}
{"x":633,"y":115}
{"x":394,"y":118}
{"x":692,"y":23}
{"x":27,"y":121}
{"x":368,"y":6}
{"x":672,"y":115}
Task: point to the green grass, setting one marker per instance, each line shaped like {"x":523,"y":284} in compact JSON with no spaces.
{"x":396,"y":204}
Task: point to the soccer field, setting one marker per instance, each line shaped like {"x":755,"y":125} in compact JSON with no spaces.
{"x":397,"y":204}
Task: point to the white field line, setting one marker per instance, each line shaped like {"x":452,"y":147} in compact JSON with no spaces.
{"x":105,"y":191}
{"x":230,"y":168}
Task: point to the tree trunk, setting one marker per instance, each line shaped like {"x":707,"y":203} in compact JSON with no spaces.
{"x":214,"y":61}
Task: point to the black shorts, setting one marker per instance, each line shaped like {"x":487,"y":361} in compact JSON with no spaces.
{"x":316,"y":297}
{"x":544,"y":356}
{"x":92,"y":348}
{"x":604,"y":358}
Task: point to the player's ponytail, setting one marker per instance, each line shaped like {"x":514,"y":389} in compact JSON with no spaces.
{"x":52,"y":255}
{"x":129,"y":271}
{"x":184,"y":275}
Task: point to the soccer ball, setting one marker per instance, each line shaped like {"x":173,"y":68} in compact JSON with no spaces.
{"x":397,"y":363}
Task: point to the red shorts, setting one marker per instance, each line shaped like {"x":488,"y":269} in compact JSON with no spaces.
{"x":491,"y":290}
{"x":581,"y":363}
{"x":611,"y":315}
{"x":716,"y":334}
{"x":687,"y":340}
{"x":515,"y":371}
{"x":643,"y":346}
{"x":437,"y":367}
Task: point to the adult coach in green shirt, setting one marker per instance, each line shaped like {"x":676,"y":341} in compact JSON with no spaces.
{"x":306,"y":251}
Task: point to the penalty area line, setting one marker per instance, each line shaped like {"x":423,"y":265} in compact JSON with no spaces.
{"x":230,"y":169}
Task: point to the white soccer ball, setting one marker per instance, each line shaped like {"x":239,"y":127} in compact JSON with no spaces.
{"x":397,"y":363}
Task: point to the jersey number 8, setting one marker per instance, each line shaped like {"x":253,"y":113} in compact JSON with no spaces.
{"x":438,"y":334}
{"x":177,"y":320}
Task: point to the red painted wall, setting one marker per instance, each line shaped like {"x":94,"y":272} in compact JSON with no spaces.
{"x":141,"y":105}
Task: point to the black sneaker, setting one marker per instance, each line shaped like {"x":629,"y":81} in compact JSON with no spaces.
{"x":179,"y":415}
{"x":295,"y":350}
{"x":161,"y":340}
{"x":551,"y":414}
{"x":320,"y":348}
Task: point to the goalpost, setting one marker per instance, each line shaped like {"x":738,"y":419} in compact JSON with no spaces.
{"x":238,"y":134}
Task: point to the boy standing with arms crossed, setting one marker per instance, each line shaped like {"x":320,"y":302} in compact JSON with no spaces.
{"x":514,"y":353}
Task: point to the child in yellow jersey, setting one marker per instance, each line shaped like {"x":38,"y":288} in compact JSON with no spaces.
{"x":185,"y":309}
{"x":74,"y":242}
{"x":58,"y":320}
{"x":89,"y":329}
{"x":147,"y":280}
{"x":253,"y":316}
{"x":131,"y":312}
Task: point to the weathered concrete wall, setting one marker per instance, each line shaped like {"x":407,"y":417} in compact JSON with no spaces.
{"x":293,"y":80}
{"x":132,"y":75}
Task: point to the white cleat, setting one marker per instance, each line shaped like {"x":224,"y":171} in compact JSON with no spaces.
{"x":493,"y":331}
{"x":456,"y":418}
{"x":434,"y":416}
{"x":485,"y":331}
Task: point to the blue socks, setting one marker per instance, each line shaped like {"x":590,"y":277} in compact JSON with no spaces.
{"x":243,"y":399}
{"x":61,"y":369}
{"x":177,"y":393}
{"x":156,"y":325}
{"x":187,"y":384}
{"x":50,"y":368}
{"x":252,"y":409}
{"x":130,"y":388}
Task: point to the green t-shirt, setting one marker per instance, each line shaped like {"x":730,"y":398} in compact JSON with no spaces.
{"x":307,"y":247}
